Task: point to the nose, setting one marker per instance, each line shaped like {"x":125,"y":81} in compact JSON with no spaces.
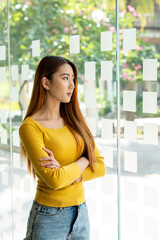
{"x":71,"y":83}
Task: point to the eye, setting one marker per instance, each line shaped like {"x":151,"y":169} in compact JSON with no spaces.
{"x":73,"y":79}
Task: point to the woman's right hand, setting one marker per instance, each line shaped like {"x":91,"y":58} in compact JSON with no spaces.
{"x":53,"y":163}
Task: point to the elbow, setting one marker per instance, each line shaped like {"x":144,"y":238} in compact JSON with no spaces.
{"x":56,"y":185}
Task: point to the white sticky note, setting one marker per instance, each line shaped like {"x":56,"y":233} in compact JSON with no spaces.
{"x":130,"y":191}
{"x":3,"y":136}
{"x":108,"y":185}
{"x":129,"y":101}
{"x":150,"y":69}
{"x":90,"y":98}
{"x":107,"y":70}
{"x":4,"y":115}
{"x":16,"y":160}
{"x":17,"y":181}
{"x":151,"y":133}
{"x":14,"y":72}
{"x":107,"y":152}
{"x":15,"y":94}
{"x":74,"y":44}
{"x":150,"y":196}
{"x":2,"y":53}
{"x":107,"y":128}
{"x":16,"y":141}
{"x":91,"y":122}
{"x":90,"y":71}
{"x":130,"y":130}
{"x":130,"y":161}
{"x":109,"y":216}
{"x":4,"y":178}
{"x":27,"y":184}
{"x":106,"y":41}
{"x":25,"y":72}
{"x":150,"y":102}
{"x":131,"y":221}
{"x":129,"y":39}
{"x":2,"y":74}
{"x":151,"y":228}
{"x":35,"y":48}
{"x":18,"y":204}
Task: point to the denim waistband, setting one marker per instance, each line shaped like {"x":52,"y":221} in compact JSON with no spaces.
{"x":38,"y":204}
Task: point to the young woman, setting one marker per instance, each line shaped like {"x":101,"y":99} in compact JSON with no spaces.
{"x":60,"y":151}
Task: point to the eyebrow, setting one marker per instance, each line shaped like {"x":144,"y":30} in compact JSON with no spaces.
{"x":66,"y":74}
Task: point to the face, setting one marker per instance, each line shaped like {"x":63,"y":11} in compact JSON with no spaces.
{"x":62,"y":84}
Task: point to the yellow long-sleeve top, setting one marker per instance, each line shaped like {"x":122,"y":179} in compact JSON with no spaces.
{"x":54,"y":186}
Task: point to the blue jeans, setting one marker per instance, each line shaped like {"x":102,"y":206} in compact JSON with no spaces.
{"x":58,"y":223}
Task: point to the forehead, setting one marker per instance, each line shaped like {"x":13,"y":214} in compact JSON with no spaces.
{"x":65,"y":68}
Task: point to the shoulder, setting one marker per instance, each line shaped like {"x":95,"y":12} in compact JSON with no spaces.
{"x":28,"y":125}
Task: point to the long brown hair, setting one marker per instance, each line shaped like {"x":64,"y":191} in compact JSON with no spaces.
{"x":70,"y":111}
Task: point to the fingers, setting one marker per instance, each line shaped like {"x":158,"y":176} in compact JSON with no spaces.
{"x":51,"y":166}
{"x":47,"y":158}
{"x":50,"y":163}
{"x":48,"y":151}
{"x":51,"y":159}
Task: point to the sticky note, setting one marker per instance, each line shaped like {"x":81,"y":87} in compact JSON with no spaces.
{"x":108,"y":185}
{"x":4,"y":115}
{"x":107,"y":70}
{"x":3,"y":74}
{"x":25,"y":72}
{"x":90,"y":71}
{"x":130,"y":130}
{"x":107,"y":128}
{"x":17,"y":181}
{"x":90,"y":98}
{"x":35,"y":48}
{"x":16,"y":138}
{"x":2,"y":53}
{"x":15,"y":94}
{"x":106,"y":41}
{"x":129,"y":39}
{"x":130,"y":161}
{"x":151,"y":133}
{"x":131,"y":223}
{"x":91,"y":122}
{"x":129,"y":101}
{"x":3,"y":135}
{"x":14,"y":72}
{"x":109,"y":216}
{"x":151,"y":228}
{"x":27,"y":184}
{"x":150,"y":196}
{"x":18,"y":204}
{"x":130,"y":191}
{"x":107,"y":153}
{"x":16,"y":160}
{"x":150,"y":102}
{"x":150,"y":69}
{"x":74,"y":44}
{"x":4,"y":175}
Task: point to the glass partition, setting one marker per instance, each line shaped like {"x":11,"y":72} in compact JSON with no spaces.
{"x":140,"y":112}
{"x":123,"y":204}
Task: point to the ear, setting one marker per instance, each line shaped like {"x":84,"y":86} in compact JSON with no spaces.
{"x":45,"y":83}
